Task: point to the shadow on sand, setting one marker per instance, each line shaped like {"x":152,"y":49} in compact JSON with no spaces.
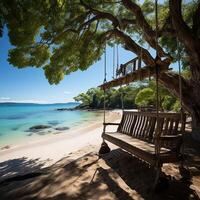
{"x":115,"y":176}
{"x":20,"y":169}
{"x":139,"y":176}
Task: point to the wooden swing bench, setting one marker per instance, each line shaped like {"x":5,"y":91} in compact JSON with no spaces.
{"x":154,"y":137}
{"x":155,"y":140}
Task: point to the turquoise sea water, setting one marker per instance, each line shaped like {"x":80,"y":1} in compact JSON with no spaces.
{"x":16,"y":120}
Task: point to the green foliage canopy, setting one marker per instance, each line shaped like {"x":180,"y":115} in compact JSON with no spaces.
{"x":145,"y":97}
{"x":64,"y":36}
{"x":94,"y":98}
{"x":132,"y":96}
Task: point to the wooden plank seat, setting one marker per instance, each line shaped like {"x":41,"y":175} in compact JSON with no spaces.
{"x":141,"y":149}
{"x":141,"y":135}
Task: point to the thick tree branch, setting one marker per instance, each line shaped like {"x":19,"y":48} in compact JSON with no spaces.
{"x":59,"y":35}
{"x":106,"y":36}
{"x":132,"y":46}
{"x":149,"y":34}
{"x":187,"y":37}
{"x":124,"y":23}
{"x":184,"y":33}
{"x":129,"y":45}
{"x":167,"y":29}
{"x":169,"y":32}
{"x":120,"y":23}
{"x":126,"y":40}
{"x":86,"y":23}
{"x":101,"y":14}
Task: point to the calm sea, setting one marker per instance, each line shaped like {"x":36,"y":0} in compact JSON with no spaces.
{"x":16,"y":119}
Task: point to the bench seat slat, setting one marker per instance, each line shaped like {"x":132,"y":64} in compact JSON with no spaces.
{"x":139,"y":148}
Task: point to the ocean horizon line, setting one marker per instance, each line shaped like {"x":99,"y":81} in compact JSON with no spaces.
{"x":39,"y":103}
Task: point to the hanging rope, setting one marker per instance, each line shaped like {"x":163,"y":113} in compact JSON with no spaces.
{"x":105,"y":67}
{"x":104,"y":146}
{"x":180,"y":80}
{"x":104,"y":91}
{"x":141,"y":53}
{"x":122,"y":99}
{"x":113,"y":61}
{"x":149,"y":70}
{"x":157,"y":57}
{"x":157,"y":149}
{"x":117,"y":58}
{"x":122,"y":95}
{"x":180,"y":93}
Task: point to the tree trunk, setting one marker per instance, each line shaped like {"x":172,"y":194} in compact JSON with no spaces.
{"x":195,"y":110}
{"x":196,"y":124}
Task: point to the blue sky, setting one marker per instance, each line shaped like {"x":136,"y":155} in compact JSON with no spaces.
{"x":30,"y":85}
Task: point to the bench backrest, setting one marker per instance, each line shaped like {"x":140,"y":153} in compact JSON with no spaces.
{"x":143,"y":125}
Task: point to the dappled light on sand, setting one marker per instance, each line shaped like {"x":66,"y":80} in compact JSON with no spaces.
{"x":117,"y":175}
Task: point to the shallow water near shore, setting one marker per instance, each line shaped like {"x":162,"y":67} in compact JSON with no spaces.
{"x":22,"y":122}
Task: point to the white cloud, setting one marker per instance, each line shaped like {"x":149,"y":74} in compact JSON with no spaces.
{"x":31,"y":101}
{"x":2,"y":100}
{"x":67,"y":92}
{"x":36,"y":101}
{"x":5,"y":98}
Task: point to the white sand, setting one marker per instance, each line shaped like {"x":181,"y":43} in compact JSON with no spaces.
{"x":53,"y":148}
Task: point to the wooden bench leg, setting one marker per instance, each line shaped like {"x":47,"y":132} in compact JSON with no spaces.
{"x":161,"y":182}
{"x":185,"y":173}
{"x":158,"y":168}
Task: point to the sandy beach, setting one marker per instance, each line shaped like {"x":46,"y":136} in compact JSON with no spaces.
{"x":54,"y":147}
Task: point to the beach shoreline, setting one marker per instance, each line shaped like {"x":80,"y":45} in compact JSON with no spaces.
{"x":54,"y":147}
{"x":35,"y":137}
{"x":21,"y":123}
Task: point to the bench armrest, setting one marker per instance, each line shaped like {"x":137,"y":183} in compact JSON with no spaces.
{"x":113,"y":124}
{"x":172,"y":140}
{"x":106,"y":124}
{"x":170,"y":137}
